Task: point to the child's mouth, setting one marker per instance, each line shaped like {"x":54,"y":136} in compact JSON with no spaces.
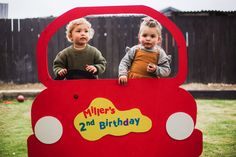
{"x":82,"y":38}
{"x":148,"y":44}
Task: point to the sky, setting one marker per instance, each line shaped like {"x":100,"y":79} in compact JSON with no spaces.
{"x":44,"y":8}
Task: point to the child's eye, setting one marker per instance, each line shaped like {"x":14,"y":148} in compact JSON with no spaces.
{"x":144,"y":35}
{"x":153,"y":36}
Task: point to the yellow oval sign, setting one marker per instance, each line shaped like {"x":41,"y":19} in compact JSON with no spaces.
{"x":102,"y":118}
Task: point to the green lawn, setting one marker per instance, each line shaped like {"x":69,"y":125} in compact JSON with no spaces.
{"x":15,"y":127}
{"x":216,"y":118}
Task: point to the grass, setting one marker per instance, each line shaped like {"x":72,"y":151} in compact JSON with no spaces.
{"x":15,"y":127}
{"x":216,"y":119}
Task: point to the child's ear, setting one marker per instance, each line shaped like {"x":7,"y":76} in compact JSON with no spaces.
{"x":70,"y":37}
{"x":139,"y":38}
{"x":159,"y":40}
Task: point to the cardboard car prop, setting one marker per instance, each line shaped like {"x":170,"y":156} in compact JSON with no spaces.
{"x":146,"y":118}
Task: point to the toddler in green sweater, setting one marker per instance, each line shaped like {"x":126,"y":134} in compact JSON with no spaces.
{"x":80,"y":60}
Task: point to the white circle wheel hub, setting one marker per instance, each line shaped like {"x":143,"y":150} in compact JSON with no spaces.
{"x":48,"y":130}
{"x":179,"y":126}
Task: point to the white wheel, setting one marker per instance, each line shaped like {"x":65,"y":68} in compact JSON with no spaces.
{"x":180,"y":126}
{"x":48,"y":130}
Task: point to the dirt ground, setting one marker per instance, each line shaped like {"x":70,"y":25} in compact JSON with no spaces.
{"x":28,"y":86}
{"x":191,"y":86}
{"x":209,"y":86}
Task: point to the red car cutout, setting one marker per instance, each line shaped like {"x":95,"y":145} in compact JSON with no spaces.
{"x":146,"y":118}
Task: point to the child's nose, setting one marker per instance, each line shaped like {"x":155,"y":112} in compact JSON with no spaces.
{"x":148,"y":38}
{"x":83,"y":32}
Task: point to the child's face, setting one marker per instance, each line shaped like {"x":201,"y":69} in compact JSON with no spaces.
{"x":149,"y":37}
{"x":80,"y":35}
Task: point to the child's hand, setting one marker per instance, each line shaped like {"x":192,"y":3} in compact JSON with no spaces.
{"x":123,"y":80}
{"x":91,"y":68}
{"x":151,"y":68}
{"x":62,"y":72}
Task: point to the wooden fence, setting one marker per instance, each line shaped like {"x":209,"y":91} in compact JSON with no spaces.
{"x":211,"y":43}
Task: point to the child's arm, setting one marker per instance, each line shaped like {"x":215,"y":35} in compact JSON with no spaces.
{"x":124,"y":65}
{"x":99,"y":64}
{"x":163,"y":66}
{"x":59,"y":65}
{"x":126,"y":61}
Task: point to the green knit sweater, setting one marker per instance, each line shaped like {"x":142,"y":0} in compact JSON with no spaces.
{"x":73,"y":59}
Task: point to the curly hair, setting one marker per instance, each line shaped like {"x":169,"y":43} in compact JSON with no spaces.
{"x":75,"y":22}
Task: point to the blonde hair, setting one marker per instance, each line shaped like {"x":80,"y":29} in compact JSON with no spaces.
{"x":75,"y":22}
{"x":150,"y":22}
